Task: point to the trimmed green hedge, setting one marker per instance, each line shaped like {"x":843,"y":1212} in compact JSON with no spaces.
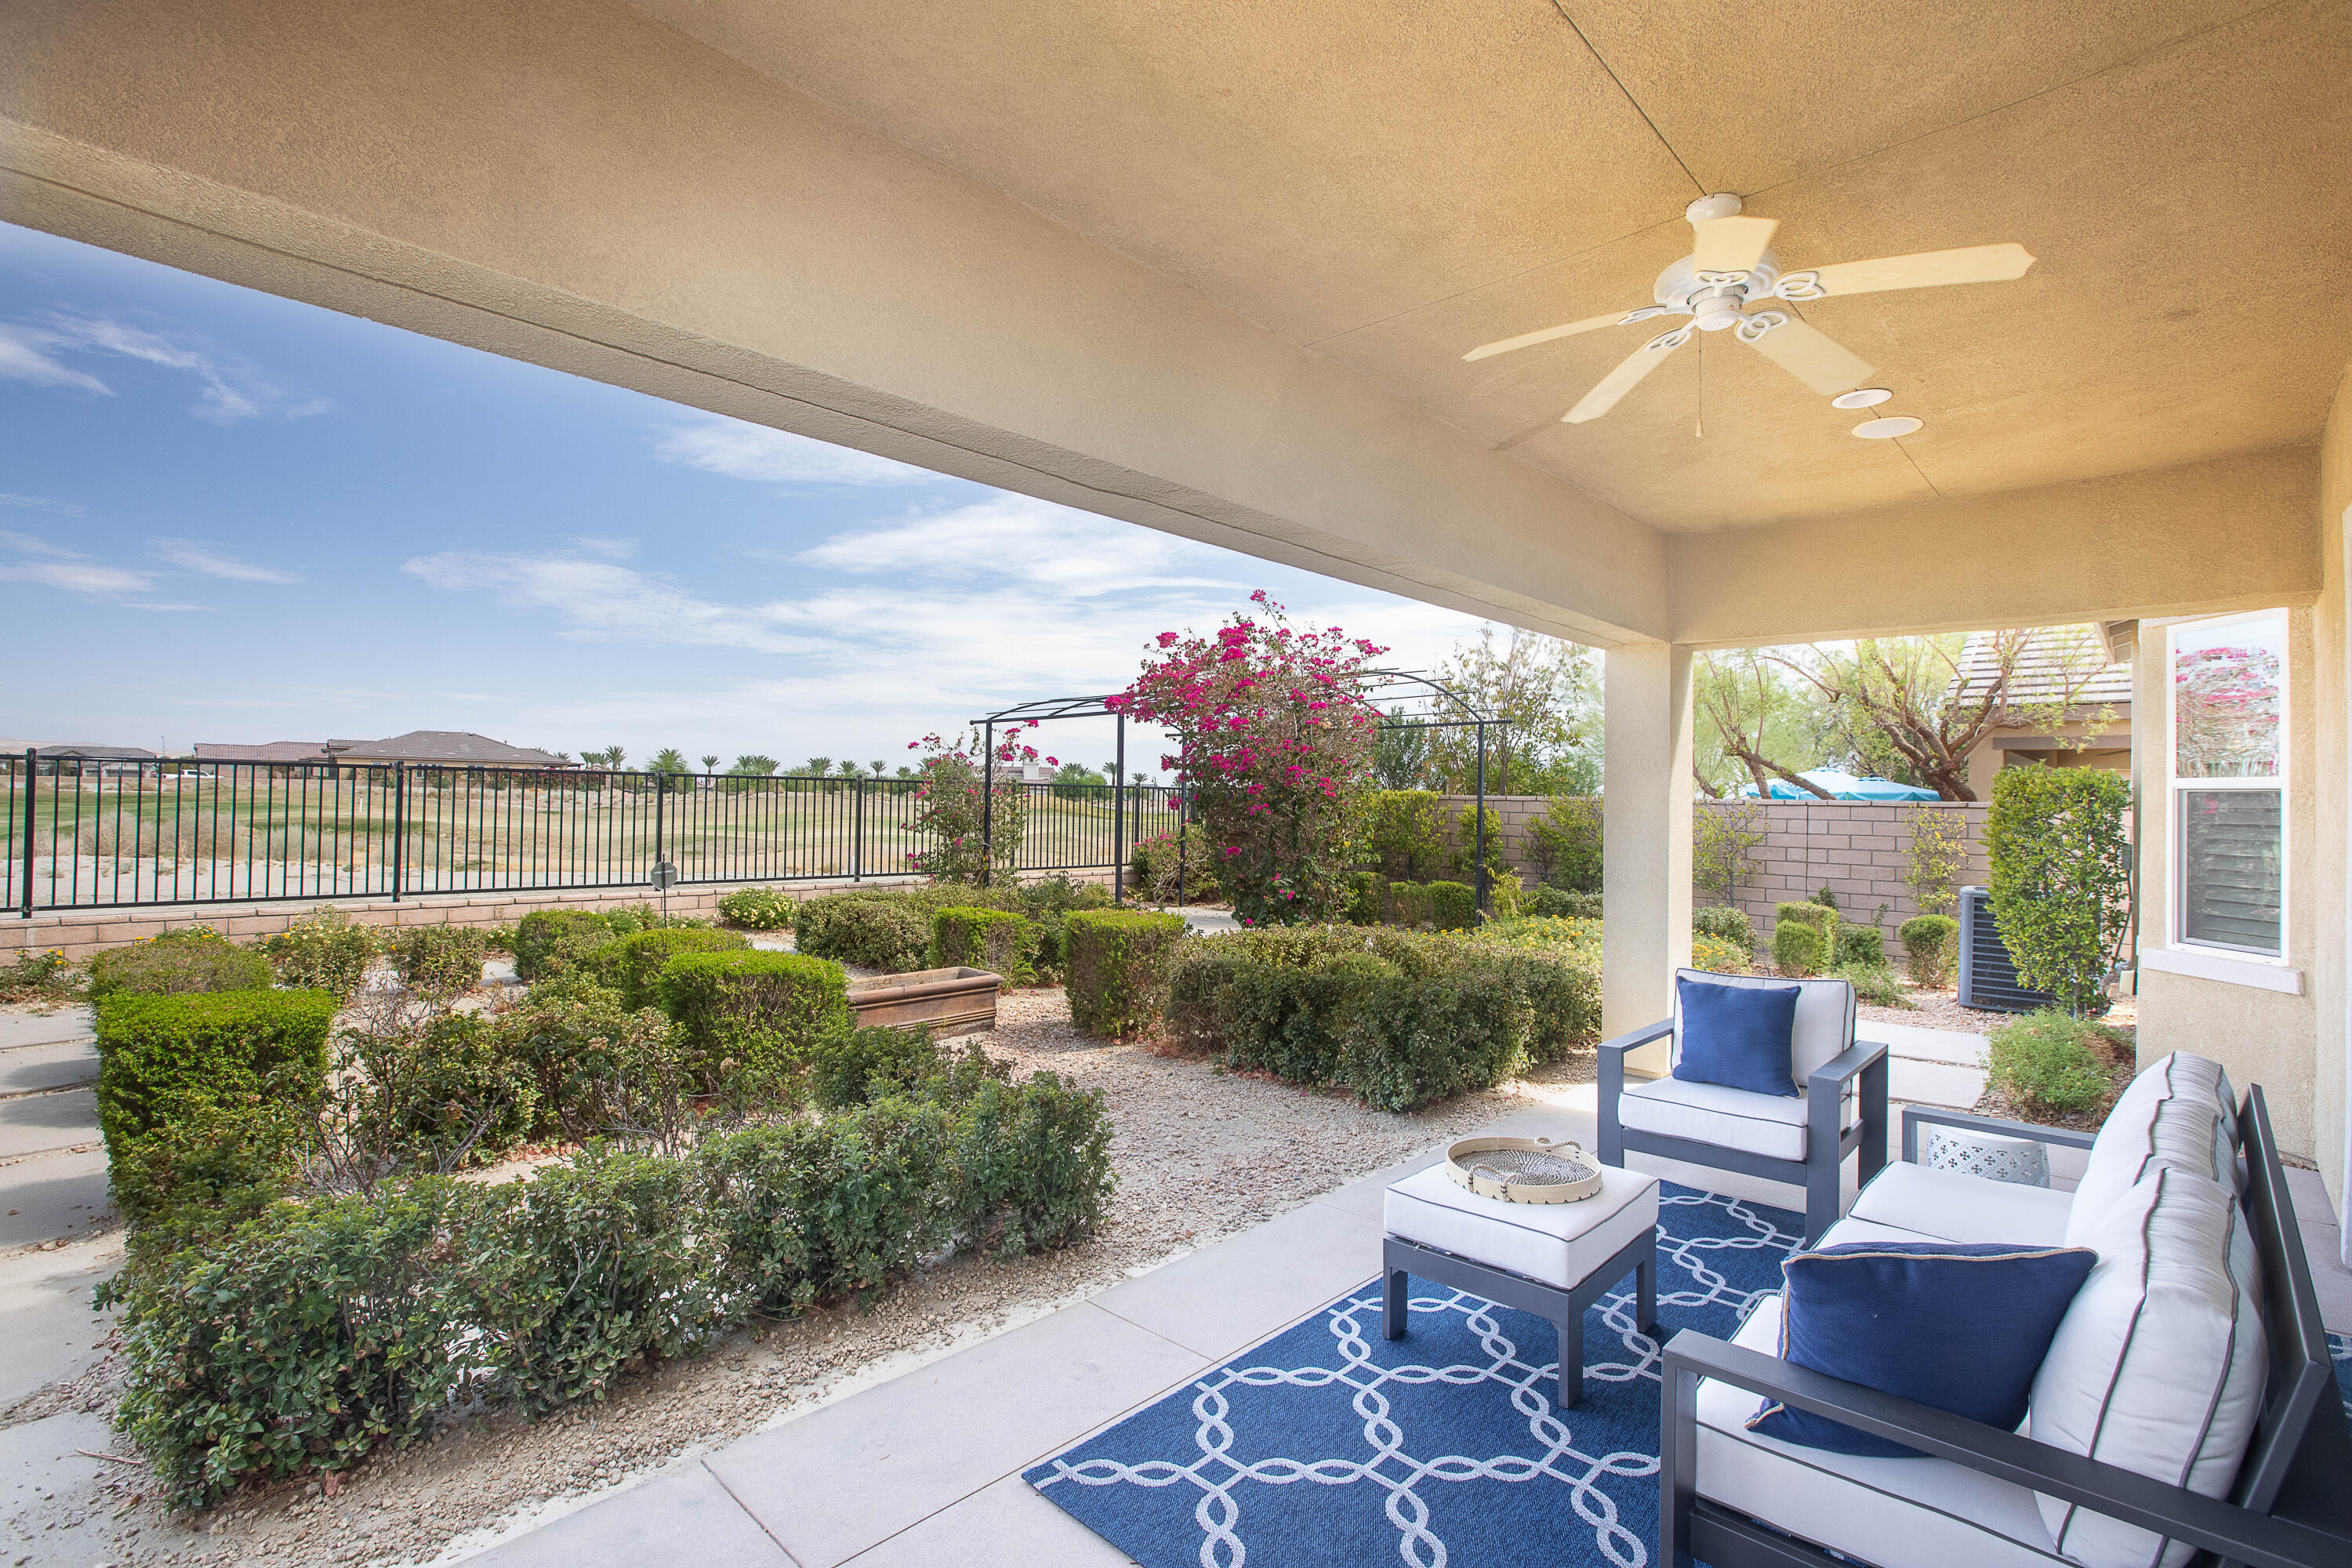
{"x":551,"y":943}
{"x":151,"y":1049}
{"x":995,"y":940}
{"x":439,"y":962}
{"x":1725,"y":922}
{"x":1930,"y":943}
{"x":633,"y":964}
{"x":1560,"y":904}
{"x":884,"y":931}
{"x":1453,"y":906}
{"x":179,"y":964}
{"x":1118,"y":969}
{"x":770,"y":1008}
{"x":1797,"y":948}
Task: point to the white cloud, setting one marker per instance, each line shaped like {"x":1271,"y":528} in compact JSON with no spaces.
{"x":42,"y":504}
{"x":194,"y":556}
{"x":1034,"y":541}
{"x":21,"y":359}
{"x":606,"y":602}
{"x":54,"y":566}
{"x":719,"y":444}
{"x":234,"y":387}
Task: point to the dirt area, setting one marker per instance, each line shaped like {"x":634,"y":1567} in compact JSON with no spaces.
{"x":1200,"y":1155}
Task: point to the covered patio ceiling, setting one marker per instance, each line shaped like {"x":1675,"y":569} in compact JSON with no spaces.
{"x":1212,"y":268}
{"x":1388,"y":186}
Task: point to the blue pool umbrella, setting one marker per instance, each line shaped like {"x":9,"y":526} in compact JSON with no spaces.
{"x":1843,"y":786}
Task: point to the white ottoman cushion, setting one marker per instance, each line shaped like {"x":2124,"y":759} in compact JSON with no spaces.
{"x":2159,"y":1364}
{"x":2170,"y":1116}
{"x":1947,"y":1205}
{"x":1881,"y":1510}
{"x":1559,"y":1243}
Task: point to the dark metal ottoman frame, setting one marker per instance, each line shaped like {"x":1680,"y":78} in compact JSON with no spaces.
{"x":1404,"y":1260}
{"x":2290,"y":1507}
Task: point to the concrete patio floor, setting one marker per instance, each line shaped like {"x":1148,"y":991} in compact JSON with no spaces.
{"x":926,"y":1469}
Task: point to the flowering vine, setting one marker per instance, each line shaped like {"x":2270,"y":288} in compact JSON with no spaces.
{"x":949,"y":810}
{"x":1274,"y":745}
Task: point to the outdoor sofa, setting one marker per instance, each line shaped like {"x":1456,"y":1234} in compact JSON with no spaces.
{"x":2185,"y":1409}
{"x":1840,"y":1108}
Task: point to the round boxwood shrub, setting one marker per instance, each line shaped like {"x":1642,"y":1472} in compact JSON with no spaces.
{"x":1930,"y":943}
{"x":1860,"y":945}
{"x":995,"y":940}
{"x":1118,"y":969}
{"x":633,"y":963}
{"x":179,"y":963}
{"x":871,"y":930}
{"x":755,"y":1005}
{"x":1798,"y":947}
{"x":757,"y":909}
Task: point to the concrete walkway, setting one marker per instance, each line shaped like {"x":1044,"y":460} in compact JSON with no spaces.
{"x":52,"y":1169}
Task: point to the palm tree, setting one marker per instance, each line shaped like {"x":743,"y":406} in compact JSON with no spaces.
{"x":669,"y":760}
{"x":709,"y":762}
{"x":820,"y":766}
{"x":615,"y":756}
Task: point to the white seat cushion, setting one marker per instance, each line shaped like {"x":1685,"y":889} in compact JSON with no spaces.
{"x":2170,"y":1115}
{"x":1559,"y":1243}
{"x":2159,"y":1364}
{"x":1823,"y":1026}
{"x":1768,"y":1124}
{"x":1881,"y":1510}
{"x":1949,"y":1205}
{"x":1852,"y":1230}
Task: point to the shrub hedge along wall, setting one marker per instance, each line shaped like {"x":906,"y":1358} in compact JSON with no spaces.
{"x":633,"y":964}
{"x":1118,"y":969}
{"x":177,"y":962}
{"x":998,"y":941}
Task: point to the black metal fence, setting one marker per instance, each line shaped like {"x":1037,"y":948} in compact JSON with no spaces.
{"x":83,"y":835}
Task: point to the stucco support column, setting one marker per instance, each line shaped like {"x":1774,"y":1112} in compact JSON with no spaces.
{"x":1645,"y":877}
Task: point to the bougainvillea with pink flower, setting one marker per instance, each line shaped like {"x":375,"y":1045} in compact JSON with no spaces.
{"x":1275,"y":747}
{"x":949,"y":807}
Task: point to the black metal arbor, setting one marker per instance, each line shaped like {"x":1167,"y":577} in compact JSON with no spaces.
{"x":1407,"y":699}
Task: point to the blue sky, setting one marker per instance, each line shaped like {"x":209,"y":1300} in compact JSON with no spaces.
{"x":225,"y":516}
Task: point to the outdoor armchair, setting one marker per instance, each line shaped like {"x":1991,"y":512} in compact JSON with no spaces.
{"x":1804,"y":1140}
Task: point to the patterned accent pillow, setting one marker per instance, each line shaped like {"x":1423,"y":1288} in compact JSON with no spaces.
{"x":1863,"y":1311}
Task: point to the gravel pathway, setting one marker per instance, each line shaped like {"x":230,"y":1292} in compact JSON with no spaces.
{"x":1200,"y":1154}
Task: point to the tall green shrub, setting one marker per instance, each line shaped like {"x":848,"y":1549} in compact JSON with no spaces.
{"x":1930,"y":943}
{"x":998,"y":941}
{"x":1453,"y":906}
{"x":177,"y":963}
{"x":1566,"y":842}
{"x":2061,"y":876}
{"x":633,"y":965}
{"x":1401,"y":836}
{"x":1464,"y":859}
{"x":1798,"y":949}
{"x":1118,"y":969}
{"x":770,"y":1009}
{"x":154,"y":1049}
{"x":1033,"y":1163}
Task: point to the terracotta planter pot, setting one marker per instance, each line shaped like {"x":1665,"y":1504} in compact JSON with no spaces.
{"x":947,"y":1001}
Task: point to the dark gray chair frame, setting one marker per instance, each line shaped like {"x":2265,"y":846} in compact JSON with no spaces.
{"x":1401,"y":1261}
{"x":1826,"y":1144}
{"x":2291,"y":1507}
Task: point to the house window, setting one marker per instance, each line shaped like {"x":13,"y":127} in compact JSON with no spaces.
{"x":2228,"y":783}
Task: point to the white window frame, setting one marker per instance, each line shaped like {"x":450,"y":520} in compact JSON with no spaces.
{"x":2176,"y":786}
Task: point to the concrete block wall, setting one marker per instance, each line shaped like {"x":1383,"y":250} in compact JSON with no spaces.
{"x":1857,"y":849}
{"x":81,"y":932}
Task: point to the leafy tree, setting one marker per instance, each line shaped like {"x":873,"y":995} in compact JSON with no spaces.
{"x":1544,"y":694}
{"x":1076,"y":780}
{"x":1401,"y":757}
{"x":1724,"y":835}
{"x":1903,"y":703}
{"x":1936,"y":858}
{"x":1752,"y":719}
{"x":751,"y":764}
{"x":820,"y":766}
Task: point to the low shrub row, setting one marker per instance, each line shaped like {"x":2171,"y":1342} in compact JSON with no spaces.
{"x":1118,"y":967}
{"x":551,"y":943}
{"x":179,"y":963}
{"x":998,"y":941}
{"x":307,"y":1336}
{"x":757,"y":909}
{"x":891,"y":929}
{"x":1397,"y":1017}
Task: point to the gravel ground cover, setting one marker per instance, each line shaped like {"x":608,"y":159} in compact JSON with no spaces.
{"x":1200,"y":1154}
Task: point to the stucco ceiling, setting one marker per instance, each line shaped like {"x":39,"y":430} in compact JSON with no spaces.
{"x":1389,"y":184}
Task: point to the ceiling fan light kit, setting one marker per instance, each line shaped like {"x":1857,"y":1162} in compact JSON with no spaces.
{"x":1730,"y":268}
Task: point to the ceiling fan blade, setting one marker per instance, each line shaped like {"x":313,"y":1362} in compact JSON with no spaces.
{"x":1732,"y":243}
{"x":1928,"y":270}
{"x":1621,"y":380}
{"x":1812,"y":356}
{"x":1530,"y":340}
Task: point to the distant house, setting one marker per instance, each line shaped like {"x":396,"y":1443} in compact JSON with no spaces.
{"x":445,"y":748}
{"x":266,"y":751}
{"x":2095,"y":660}
{"x":86,"y":752}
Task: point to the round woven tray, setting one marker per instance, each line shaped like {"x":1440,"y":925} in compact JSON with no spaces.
{"x":1523,"y":1169}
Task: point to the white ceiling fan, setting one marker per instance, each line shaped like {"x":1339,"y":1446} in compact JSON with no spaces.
{"x":1730,"y":269}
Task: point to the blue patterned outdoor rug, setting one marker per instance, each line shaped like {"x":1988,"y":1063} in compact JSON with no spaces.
{"x":1330,"y":1445}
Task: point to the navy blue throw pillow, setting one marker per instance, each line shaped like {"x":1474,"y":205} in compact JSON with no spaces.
{"x":1737,"y":1035}
{"x":1960,"y":1326}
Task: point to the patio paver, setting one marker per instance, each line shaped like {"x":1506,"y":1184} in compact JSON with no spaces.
{"x":684,"y":1515}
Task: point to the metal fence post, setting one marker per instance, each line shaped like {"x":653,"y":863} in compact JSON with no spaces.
{"x":987,"y":798}
{"x":1118,"y":819}
{"x":399,"y":825}
{"x":1183,"y":816}
{"x":1482,"y":815}
{"x":857,"y":829}
{"x":32,"y":801}
{"x":661,"y":794}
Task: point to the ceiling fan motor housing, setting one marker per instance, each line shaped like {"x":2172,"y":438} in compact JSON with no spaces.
{"x":1682,"y":287}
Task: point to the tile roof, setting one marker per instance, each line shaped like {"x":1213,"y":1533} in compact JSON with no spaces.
{"x":2053,"y":657}
{"x":454,"y":746}
{"x":266,"y":751}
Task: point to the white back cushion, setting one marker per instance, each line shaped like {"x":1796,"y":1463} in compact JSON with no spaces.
{"x":2170,"y":1116}
{"x":1825,"y":1025}
{"x":2158,"y":1365}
